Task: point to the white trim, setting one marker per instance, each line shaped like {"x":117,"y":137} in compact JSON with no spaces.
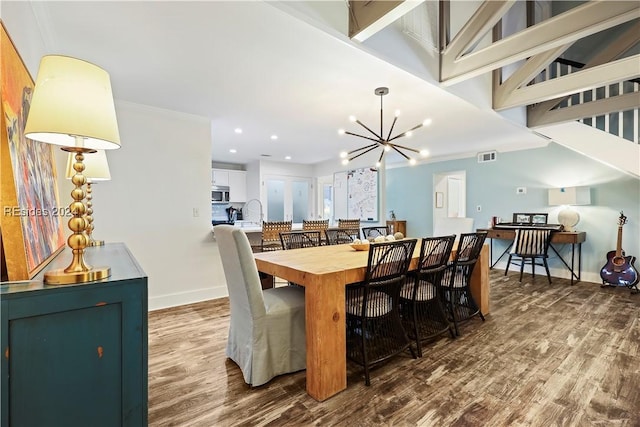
{"x":190,"y":297}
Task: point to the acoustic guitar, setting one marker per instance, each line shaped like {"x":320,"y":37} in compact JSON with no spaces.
{"x":619,"y":269}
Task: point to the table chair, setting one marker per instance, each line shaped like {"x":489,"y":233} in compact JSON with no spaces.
{"x":374,"y":329}
{"x":456,"y":294}
{"x":271,"y":234}
{"x":373,"y":232}
{"x":351,"y":224}
{"x":421,"y":308}
{"x":529,"y":246}
{"x":267,"y":327}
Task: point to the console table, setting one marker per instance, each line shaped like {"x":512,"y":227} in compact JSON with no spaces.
{"x":397,"y":226}
{"x":572,"y":238}
{"x":76,"y":355}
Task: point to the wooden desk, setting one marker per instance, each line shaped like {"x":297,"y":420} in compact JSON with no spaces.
{"x":572,"y":238}
{"x":325,"y":271}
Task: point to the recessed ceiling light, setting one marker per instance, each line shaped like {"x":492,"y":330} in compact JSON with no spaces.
{"x":287,"y":157}
{"x":237,"y":130}
{"x":274,"y":137}
{"x":233,"y":150}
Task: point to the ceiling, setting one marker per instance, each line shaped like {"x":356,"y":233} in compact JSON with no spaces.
{"x":252,"y":66}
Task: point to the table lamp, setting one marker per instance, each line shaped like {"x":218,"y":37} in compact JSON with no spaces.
{"x":566,"y":197}
{"x":72,"y":106}
{"x":96,"y":168}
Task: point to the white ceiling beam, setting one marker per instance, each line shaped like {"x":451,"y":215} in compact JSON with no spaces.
{"x":523,"y":75}
{"x":600,"y":107}
{"x":615,"y":49}
{"x":368,"y":17}
{"x":602,"y":75}
{"x":562,"y":29}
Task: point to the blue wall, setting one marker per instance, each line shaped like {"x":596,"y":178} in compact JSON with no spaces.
{"x":409,"y":192}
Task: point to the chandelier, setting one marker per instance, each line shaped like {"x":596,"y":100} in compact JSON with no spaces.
{"x":379,"y":141}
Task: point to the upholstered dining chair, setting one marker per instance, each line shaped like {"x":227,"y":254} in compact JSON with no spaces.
{"x":267,"y":327}
{"x":271,"y":234}
{"x":530,"y":246}
{"x":373,"y":232}
{"x":374,"y":329}
{"x":421,"y":308}
{"x":456,"y":284}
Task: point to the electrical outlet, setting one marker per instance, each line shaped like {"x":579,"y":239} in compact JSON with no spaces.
{"x":521,"y":190}
{"x":196,"y":212}
{"x":479,"y":208}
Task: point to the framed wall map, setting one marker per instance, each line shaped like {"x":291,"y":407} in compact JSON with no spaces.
{"x":356,"y":194}
{"x":30,"y":221}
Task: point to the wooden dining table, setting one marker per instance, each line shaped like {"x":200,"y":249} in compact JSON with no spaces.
{"x":324,"y":271}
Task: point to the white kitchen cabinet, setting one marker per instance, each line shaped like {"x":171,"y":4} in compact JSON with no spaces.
{"x":220,"y":177}
{"x":237,"y":186}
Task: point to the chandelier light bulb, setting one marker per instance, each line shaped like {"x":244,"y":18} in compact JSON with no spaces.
{"x":341,"y":131}
{"x":424,"y":153}
{"x":412,"y":162}
{"x":408,"y":134}
{"x":426,"y":122}
{"x":345,"y":161}
{"x":378,"y":164}
{"x":387,"y":147}
{"x":343,"y":155}
{"x":397,"y":113}
{"x":352,"y":119}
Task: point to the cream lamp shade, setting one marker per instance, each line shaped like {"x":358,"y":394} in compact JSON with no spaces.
{"x":72,"y":98}
{"x":96,"y":167}
{"x":569,"y":196}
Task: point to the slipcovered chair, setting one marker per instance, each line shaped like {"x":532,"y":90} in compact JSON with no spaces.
{"x":374,"y":232}
{"x":423,"y":316}
{"x":267,"y":327}
{"x":456,"y":283}
{"x":374,"y":328}
{"x":529,"y":246}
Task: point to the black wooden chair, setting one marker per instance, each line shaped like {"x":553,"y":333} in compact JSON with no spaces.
{"x":340,"y":236}
{"x":530,"y":246}
{"x":456,"y":287}
{"x":374,"y":329}
{"x":374,"y":232}
{"x":423,"y":315}
{"x":300,"y":239}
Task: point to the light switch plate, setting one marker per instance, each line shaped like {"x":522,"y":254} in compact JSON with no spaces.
{"x":521,"y":190}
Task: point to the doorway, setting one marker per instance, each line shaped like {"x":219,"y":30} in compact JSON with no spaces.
{"x":450,"y":195}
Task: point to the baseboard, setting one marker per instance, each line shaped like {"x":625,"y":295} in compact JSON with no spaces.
{"x":561,"y":273}
{"x":182,"y":298}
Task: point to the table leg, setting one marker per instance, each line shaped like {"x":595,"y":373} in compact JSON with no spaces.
{"x":326,"y":336}
{"x":480,"y":281}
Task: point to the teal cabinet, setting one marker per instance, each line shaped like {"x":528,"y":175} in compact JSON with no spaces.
{"x":76,"y":355}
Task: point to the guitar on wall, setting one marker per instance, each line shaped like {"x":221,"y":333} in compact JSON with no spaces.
{"x":619,"y":269}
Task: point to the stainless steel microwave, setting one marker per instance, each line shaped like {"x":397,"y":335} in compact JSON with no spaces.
{"x":220,"y":194}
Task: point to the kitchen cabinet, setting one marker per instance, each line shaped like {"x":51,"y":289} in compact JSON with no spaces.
{"x":220,"y":177}
{"x":237,"y":186}
{"x":76,"y":355}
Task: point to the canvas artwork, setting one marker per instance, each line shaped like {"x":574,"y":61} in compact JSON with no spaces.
{"x":31,"y":214}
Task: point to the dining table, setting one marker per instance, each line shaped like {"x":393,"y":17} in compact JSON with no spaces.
{"x":324,"y":271}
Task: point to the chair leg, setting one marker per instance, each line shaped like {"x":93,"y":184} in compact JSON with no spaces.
{"x":546,"y":267}
{"x":506,"y":270}
{"x":521,"y":268}
{"x":533,"y":268}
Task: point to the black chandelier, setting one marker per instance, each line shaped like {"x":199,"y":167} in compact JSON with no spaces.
{"x":379,"y":141}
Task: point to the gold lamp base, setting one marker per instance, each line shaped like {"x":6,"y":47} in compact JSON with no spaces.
{"x":60,"y":277}
{"x":95,"y":243}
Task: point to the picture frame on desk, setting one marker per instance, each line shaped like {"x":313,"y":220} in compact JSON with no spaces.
{"x":530,"y":218}
{"x":31,"y":218}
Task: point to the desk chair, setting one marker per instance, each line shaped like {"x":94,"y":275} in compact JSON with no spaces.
{"x":529,"y":246}
{"x":374,"y":329}
{"x":421,"y":308}
{"x":267,"y":327}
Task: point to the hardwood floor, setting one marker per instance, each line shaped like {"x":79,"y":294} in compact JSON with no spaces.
{"x":547,"y":355}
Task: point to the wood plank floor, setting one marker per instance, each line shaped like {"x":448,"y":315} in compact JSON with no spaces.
{"x":547,"y":355}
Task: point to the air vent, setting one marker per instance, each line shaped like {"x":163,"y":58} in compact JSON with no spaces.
{"x":487,"y":156}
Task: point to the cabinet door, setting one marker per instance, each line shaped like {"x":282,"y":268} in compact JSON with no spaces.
{"x":238,"y":186}
{"x":219,"y":177}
